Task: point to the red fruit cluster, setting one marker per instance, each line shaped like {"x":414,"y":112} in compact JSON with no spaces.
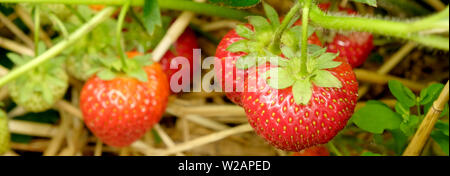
{"x":121,"y":110}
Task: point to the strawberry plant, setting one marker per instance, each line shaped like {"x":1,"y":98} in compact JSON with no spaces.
{"x":300,"y":77}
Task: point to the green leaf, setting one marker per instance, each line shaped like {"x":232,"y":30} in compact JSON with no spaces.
{"x":325,"y":61}
{"x":442,"y":126}
{"x":259,"y":23}
{"x":368,"y":2}
{"x":288,"y":52}
{"x":402,"y":93}
{"x":430,"y":93}
{"x":41,"y":48}
{"x":401,"y":109}
{"x":239,"y":46}
{"x":152,"y":15}
{"x":16,"y":59}
{"x":236,"y":3}
{"x":245,"y":62}
{"x":139,"y":74}
{"x":47,"y":94}
{"x":409,"y":127}
{"x":370,"y":154}
{"x":144,"y":60}
{"x":441,"y":139}
{"x":280,"y":78}
{"x":272,"y":14}
{"x":106,"y":74}
{"x":302,"y":91}
{"x":316,"y":51}
{"x":376,"y":118}
{"x":243,"y":31}
{"x":324,"y":78}
{"x":399,"y":141}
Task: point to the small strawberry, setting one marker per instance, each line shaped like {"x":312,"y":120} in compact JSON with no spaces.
{"x":313,"y":151}
{"x":184,"y":47}
{"x":118,"y":108}
{"x":38,"y":89}
{"x":4,"y":133}
{"x":355,"y":46}
{"x":294,"y":109}
{"x":250,"y":41}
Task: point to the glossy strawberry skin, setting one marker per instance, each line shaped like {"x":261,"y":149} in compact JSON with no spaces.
{"x":288,"y":126}
{"x":121,"y":110}
{"x":313,"y":151}
{"x":184,"y":47}
{"x":230,"y":78}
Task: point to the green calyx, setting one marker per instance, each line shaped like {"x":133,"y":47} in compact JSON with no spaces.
{"x":110,"y":67}
{"x":41,"y":87}
{"x":257,"y":42}
{"x":290,"y":74}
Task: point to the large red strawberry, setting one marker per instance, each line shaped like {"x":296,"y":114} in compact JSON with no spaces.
{"x":295,"y":109}
{"x":121,"y":109}
{"x":313,"y":151}
{"x":355,"y":46}
{"x":183,"y":47}
{"x":231,"y":78}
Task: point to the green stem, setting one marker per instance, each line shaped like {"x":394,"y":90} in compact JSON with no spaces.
{"x":200,"y":8}
{"x":304,"y":47}
{"x":122,"y":15}
{"x":60,"y":47}
{"x":37,"y":18}
{"x":74,"y":11}
{"x":377,"y":26}
{"x":333,"y":149}
{"x":275,"y":44}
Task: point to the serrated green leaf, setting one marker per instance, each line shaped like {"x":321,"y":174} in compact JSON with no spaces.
{"x":402,"y":93}
{"x":401,"y":109}
{"x":324,"y":78}
{"x":410,"y":126}
{"x":246,"y":62}
{"x":56,"y":81}
{"x":139,"y":74}
{"x":106,"y":74}
{"x":441,"y":139}
{"x":368,"y":2}
{"x":280,"y":78}
{"x":47,"y":94}
{"x":302,"y":91}
{"x":325,"y":61}
{"x":243,"y":31}
{"x":239,"y":46}
{"x":259,"y":23}
{"x":430,"y":93}
{"x":272,"y":14}
{"x":383,"y":119}
{"x":236,"y":3}
{"x":316,"y":51}
{"x":151,"y":15}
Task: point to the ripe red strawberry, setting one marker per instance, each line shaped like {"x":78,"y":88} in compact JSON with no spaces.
{"x":119,"y":111}
{"x":184,"y":46}
{"x":231,"y":78}
{"x":313,"y":151}
{"x":305,"y":110}
{"x":355,"y":46}
{"x":4,"y":133}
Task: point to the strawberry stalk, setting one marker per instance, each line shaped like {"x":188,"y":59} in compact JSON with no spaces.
{"x":304,"y":47}
{"x":36,"y":29}
{"x":122,"y":15}
{"x":275,"y":44}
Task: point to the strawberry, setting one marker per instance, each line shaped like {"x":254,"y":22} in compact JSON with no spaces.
{"x":295,"y":110}
{"x":355,"y":46}
{"x":313,"y":151}
{"x":38,"y":89}
{"x":183,"y":47}
{"x":121,"y":109}
{"x":231,"y":78}
{"x":4,"y":133}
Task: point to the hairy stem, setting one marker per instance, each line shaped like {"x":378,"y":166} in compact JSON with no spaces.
{"x":184,"y":5}
{"x":304,"y":47}
{"x":275,"y":44}
{"x":57,"y":49}
{"x":120,"y":48}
